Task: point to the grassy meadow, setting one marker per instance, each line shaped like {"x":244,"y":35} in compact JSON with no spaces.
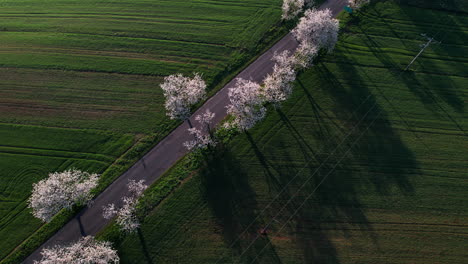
{"x":79,"y":83}
{"x":365,"y":163}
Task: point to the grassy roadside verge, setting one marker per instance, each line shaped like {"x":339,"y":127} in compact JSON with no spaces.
{"x":156,"y":194}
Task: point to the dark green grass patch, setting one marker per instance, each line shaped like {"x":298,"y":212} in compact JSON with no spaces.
{"x":365,"y":163}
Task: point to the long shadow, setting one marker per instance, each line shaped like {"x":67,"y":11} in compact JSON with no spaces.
{"x":336,"y":199}
{"x":320,"y":114}
{"x":328,"y":198}
{"x":460,"y":6}
{"x":233,"y":202}
{"x":374,"y":156}
{"x":144,"y":247}
{"x":334,"y":202}
{"x":274,"y":172}
{"x":429,"y":97}
{"x":448,"y":36}
{"x":380,"y":142}
{"x":387,"y":162}
{"x":306,"y":149}
{"x":78,"y":218}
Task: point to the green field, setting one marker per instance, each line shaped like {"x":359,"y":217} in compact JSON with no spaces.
{"x":394,"y":149}
{"x":29,"y":153}
{"x":97,"y":64}
{"x":79,"y":82}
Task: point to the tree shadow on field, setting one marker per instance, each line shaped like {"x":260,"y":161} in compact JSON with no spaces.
{"x":321,"y":198}
{"x":426,"y":79}
{"x":450,"y":5}
{"x":429,"y":98}
{"x":233,"y":202}
{"x":432,"y":86}
{"x":144,"y":246}
{"x":379,"y":143}
{"x":325,"y":194}
{"x":369,"y":153}
{"x":438,"y":84}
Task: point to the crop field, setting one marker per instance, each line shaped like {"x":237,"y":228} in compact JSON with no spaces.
{"x":97,"y":64}
{"x":79,"y":80}
{"x":366,"y":163}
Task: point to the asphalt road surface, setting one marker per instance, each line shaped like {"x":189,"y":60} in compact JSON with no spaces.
{"x":164,"y":155}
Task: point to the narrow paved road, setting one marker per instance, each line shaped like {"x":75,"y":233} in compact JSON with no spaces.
{"x":164,"y":155}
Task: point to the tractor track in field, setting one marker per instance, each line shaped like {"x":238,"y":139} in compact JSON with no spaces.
{"x":168,"y":151}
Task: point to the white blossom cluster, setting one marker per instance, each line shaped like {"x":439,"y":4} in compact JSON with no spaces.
{"x":86,"y":250}
{"x":305,"y":54}
{"x":317,"y":29}
{"x":181,"y":93}
{"x":205,"y":119}
{"x":202,"y":137}
{"x":278,"y":84}
{"x":246,"y":104}
{"x":291,"y":8}
{"x":126,"y":217}
{"x":61,"y":190}
{"x":356,"y":4}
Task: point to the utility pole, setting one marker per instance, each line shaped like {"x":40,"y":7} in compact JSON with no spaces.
{"x":423,"y":47}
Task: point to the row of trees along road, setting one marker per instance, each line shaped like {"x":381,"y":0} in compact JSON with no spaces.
{"x":317,"y":30}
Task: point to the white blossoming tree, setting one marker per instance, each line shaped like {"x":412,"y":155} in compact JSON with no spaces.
{"x":126,"y":217}
{"x":318,"y":29}
{"x":246,"y":104}
{"x":278,"y":84}
{"x":181,"y":93}
{"x":86,"y":250}
{"x":206,"y":119}
{"x":61,"y":190}
{"x":356,"y":4}
{"x":291,"y":8}
{"x":305,"y":54}
{"x":202,"y":137}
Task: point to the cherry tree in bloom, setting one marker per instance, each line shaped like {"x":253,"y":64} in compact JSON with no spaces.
{"x":86,"y":250}
{"x":202,"y":137}
{"x":181,"y":93}
{"x":278,"y":84}
{"x":318,"y":28}
{"x":356,"y":4}
{"x":291,"y":8}
{"x":136,"y":188}
{"x":305,"y":54}
{"x":205,"y":119}
{"x":246,"y":104}
{"x":126,"y":217}
{"x":61,"y":190}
